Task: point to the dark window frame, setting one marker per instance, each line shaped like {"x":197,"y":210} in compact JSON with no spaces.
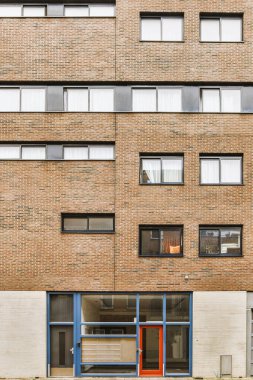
{"x":220,"y":157}
{"x":162,"y":227}
{"x":219,"y":227}
{"x":87,"y":216}
{"x":160,"y":156}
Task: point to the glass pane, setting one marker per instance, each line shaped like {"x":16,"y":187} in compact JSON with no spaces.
{"x":231,"y":29}
{"x":9,"y":100}
{"x":77,"y":100}
{"x":61,"y":308}
{"x":61,"y":357}
{"x":177,"y":308}
{"x":30,"y":11}
{"x":108,"y":350}
{"x":231,"y":241}
{"x":210,"y":29}
{"x":101,"y":152}
{"x":108,"y":330}
{"x":99,"y":10}
{"x":231,"y":170}
{"x":210,"y":171}
{"x":172,"y":29}
{"x":211,"y":100}
{"x":75,"y":153}
{"x":10,"y":10}
{"x":151,"y":170}
{"x":170,"y":100}
{"x":8,"y":152}
{"x":150,"y":242}
{"x":177,"y":349}
{"x":231,"y":101}
{"x":144,"y":100}
{"x":151,"y":29}
{"x":151,"y":308}
{"x":33,"y":152}
{"x":75,"y":224}
{"x":209,"y":242}
{"x":116,"y":369}
{"x":76,"y":11}
{"x":172,"y":170}
{"x":150,"y":347}
{"x":171,"y":242}
{"x":109,"y":308}
{"x":102,"y":100}
{"x":33,"y":100}
{"x":101,"y":224}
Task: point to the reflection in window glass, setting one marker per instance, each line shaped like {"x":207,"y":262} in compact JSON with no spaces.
{"x":177,"y":308}
{"x":161,"y":241}
{"x":101,"y":308}
{"x":231,"y":241}
{"x":223,"y":241}
{"x":151,"y":308}
{"x":177,"y":349}
{"x":61,"y":308}
{"x":209,"y":242}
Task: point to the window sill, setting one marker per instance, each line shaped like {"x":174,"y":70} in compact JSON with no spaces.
{"x":89,"y":232}
{"x":220,"y":256}
{"x":161,"y":256}
{"x":160,"y":41}
{"x":221,"y":184}
{"x":161,"y":184}
{"x":221,"y":42}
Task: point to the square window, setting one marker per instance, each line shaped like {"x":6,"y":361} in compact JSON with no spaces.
{"x":151,"y":29}
{"x":230,"y":100}
{"x":9,"y":100}
{"x":172,"y":170}
{"x":33,"y":100}
{"x":231,"y":29}
{"x":76,"y":100}
{"x":210,"y":171}
{"x":102,"y":100}
{"x":151,"y":171}
{"x":169,"y":100}
{"x":210,"y":29}
{"x":144,"y":100}
{"x":231,"y":170}
{"x":172,"y":28}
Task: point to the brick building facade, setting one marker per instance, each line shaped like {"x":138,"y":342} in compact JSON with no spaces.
{"x":68,"y":289}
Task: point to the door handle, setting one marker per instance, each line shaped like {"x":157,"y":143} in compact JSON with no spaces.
{"x":72,"y":350}
{"x":139,"y":350}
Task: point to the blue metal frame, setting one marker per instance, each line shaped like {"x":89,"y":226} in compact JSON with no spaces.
{"x":77,"y":334}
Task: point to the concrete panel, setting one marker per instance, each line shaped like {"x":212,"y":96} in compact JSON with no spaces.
{"x":123,"y":99}
{"x":54,"y":98}
{"x":22,"y":334}
{"x":247,"y":99}
{"x":219,"y":328}
{"x":55,"y":10}
{"x":190,"y":99}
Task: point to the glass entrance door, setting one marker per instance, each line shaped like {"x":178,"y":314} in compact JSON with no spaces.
{"x":151,"y":351}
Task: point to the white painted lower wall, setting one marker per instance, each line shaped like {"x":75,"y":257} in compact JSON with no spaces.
{"x":219,"y":328}
{"x":22,"y":334}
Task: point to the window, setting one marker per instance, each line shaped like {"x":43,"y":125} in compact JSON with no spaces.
{"x":89,"y":10}
{"x":86,"y":223}
{"x":34,"y":11}
{"x":153,"y":100}
{"x":221,"y":29}
{"x":161,"y":241}
{"x":10,"y":10}
{"x":9,"y":152}
{"x":93,"y":100}
{"x":33,"y":152}
{"x":33,"y":100}
{"x":220,"y":241}
{"x":161,"y":170}
{"x":225,"y":170}
{"x":75,"y":153}
{"x":9,"y":99}
{"x":162,"y":28}
{"x":221,"y":100}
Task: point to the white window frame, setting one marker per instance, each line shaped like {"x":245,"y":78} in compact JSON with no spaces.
{"x":220,"y":98}
{"x":112,"y":5}
{"x":160,"y":18}
{"x":157,"y":88}
{"x":161,"y":158}
{"x":220,"y":158}
{"x":33,"y":88}
{"x":220,"y":18}
{"x":65,"y":97}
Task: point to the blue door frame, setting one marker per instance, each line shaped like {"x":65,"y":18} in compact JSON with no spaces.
{"x":77,"y":333}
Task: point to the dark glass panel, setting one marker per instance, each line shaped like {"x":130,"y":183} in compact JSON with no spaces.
{"x":61,"y":308}
{"x":177,"y":349}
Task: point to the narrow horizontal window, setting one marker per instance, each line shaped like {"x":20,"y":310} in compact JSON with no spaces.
{"x":33,"y":100}
{"x":11,"y":10}
{"x":33,"y":152}
{"x":85,"y":223}
{"x":162,"y":170}
{"x":220,"y":241}
{"x":221,"y":29}
{"x":221,"y":170}
{"x":76,"y":11}
{"x":161,"y":241}
{"x":162,"y":28}
{"x":102,"y":10}
{"x":34,"y":11}
{"x":75,"y":153}
{"x":101,"y":152}
{"x":9,"y":152}
{"x":221,"y":100}
{"x":85,"y":100}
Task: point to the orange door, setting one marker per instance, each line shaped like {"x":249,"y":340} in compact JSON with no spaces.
{"x":151,"y":351}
